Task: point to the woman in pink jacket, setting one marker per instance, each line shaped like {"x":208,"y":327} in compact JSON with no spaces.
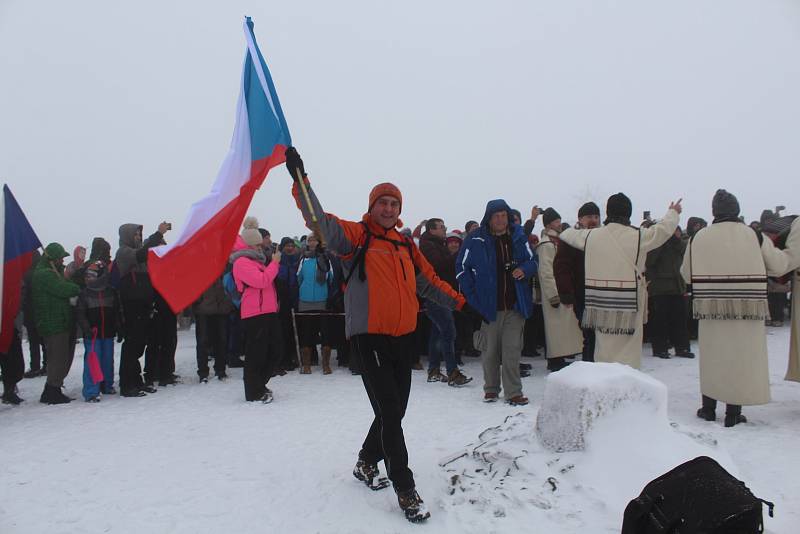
{"x":255,"y":280}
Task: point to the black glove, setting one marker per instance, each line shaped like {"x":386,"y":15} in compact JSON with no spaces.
{"x":294,"y":162}
{"x":473,"y":314}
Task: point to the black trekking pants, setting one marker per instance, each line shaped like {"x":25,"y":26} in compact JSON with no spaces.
{"x":159,"y":360}
{"x":262,"y":352}
{"x":386,"y":372}
{"x":12,"y":364}
{"x":211,"y":333}
{"x":137,"y":330}
{"x":668,"y":323}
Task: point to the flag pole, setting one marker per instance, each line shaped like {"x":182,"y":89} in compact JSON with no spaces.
{"x":314,"y":221}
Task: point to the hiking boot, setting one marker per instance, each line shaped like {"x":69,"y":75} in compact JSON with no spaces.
{"x":685,"y":354}
{"x":133,"y":393}
{"x":370,"y":475}
{"x":473,"y":353}
{"x":413,"y":506}
{"x":435,"y":375}
{"x":525,"y":366}
{"x":523,"y":373}
{"x":457,"y":379}
{"x":490,"y":396}
{"x":203,"y":380}
{"x":707,"y":413}
{"x":222,"y":376}
{"x":518,"y":400}
{"x":662,"y":355}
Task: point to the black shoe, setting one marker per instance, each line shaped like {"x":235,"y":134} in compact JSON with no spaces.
{"x":93,"y":399}
{"x":707,"y":413}
{"x":473,"y":353}
{"x":33,"y":373}
{"x":148,"y":388}
{"x":222,"y":376}
{"x":53,"y":395}
{"x":733,"y":419}
{"x":133,"y":393}
{"x":523,"y":373}
{"x":12,"y":398}
{"x":556,"y":364}
{"x":413,"y":506}
{"x":525,"y":366}
{"x":204,"y":380}
{"x":267,"y":397}
{"x":370,"y":475}
{"x":685,"y":354}
{"x":662,"y":355}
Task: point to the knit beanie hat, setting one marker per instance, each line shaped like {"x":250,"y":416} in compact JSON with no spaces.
{"x":385,"y":189}
{"x":724,"y":204}
{"x":549,"y":216}
{"x":619,"y":206}
{"x":250,"y":234}
{"x":590,"y":208}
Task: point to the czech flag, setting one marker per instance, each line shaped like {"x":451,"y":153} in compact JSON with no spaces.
{"x":181,"y":271}
{"x":18,"y":243}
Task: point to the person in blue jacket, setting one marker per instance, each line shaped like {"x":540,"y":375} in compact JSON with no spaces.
{"x":493,"y":269}
{"x":313,"y":277}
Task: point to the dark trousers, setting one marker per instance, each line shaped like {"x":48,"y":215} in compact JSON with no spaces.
{"x":668,"y":323}
{"x":441,"y":340}
{"x":211,"y":333}
{"x":12,"y":364}
{"x":588,"y":334}
{"x":235,"y":338}
{"x":465,"y":328}
{"x":314,"y":329}
{"x":386,"y":373}
{"x":262,"y":352}
{"x":777,"y":306}
{"x":61,"y":354}
{"x":288,"y":355}
{"x":159,"y":360}
{"x":137,"y":330}
{"x":36,"y":344}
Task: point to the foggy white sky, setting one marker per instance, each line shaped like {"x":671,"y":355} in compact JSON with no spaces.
{"x":122,"y":112}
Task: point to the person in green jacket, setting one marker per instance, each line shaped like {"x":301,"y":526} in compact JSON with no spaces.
{"x":51,"y":302}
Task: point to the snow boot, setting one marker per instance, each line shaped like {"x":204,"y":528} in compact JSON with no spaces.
{"x":305,"y":356}
{"x":709,"y":409}
{"x":326,"y":361}
{"x":518,"y":400}
{"x":490,"y":396}
{"x":413,"y":506}
{"x":458,"y":379}
{"x":733,"y":415}
{"x":370,"y":475}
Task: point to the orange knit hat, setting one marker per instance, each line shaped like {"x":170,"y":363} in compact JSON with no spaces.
{"x":386,"y":189}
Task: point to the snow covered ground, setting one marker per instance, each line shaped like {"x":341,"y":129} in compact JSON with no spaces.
{"x":196,"y":458}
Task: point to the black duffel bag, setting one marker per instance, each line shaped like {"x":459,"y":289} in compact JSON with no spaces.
{"x":697,"y":497}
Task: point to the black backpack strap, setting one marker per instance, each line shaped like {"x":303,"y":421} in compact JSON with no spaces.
{"x":360,"y":257}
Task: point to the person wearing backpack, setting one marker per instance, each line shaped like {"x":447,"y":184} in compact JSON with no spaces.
{"x":259,"y":312}
{"x":386,"y":271}
{"x":97,"y":316}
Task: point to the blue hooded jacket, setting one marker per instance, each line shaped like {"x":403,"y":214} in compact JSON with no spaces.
{"x":476,"y":266}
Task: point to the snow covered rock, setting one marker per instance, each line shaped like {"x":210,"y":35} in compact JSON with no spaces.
{"x":577,"y":396}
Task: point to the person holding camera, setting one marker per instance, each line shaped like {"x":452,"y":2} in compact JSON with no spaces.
{"x":493,"y":270}
{"x":313,"y":276}
{"x":136,"y":295}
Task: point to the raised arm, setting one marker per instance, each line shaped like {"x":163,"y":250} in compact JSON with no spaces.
{"x":659,"y":233}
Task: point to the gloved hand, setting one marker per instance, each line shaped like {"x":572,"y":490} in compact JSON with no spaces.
{"x":555,"y":301}
{"x":294,"y":162}
{"x":473,"y":314}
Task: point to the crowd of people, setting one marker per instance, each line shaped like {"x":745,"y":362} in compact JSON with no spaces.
{"x":379,"y":296}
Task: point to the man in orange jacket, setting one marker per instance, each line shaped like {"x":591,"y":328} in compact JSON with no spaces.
{"x":385,"y":273}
